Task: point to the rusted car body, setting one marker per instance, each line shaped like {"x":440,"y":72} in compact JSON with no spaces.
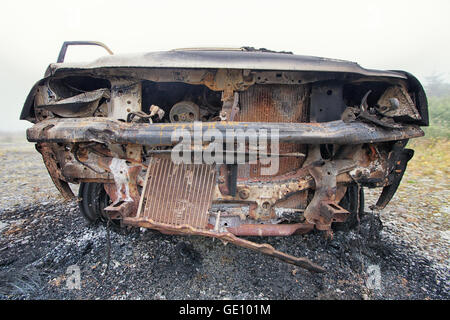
{"x":109,"y":125}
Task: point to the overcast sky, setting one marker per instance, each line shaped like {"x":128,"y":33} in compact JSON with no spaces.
{"x":402,"y":35}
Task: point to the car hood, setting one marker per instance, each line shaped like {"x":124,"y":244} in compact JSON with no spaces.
{"x":223,"y":59}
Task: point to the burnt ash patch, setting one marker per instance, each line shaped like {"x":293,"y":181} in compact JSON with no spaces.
{"x":144,"y":264}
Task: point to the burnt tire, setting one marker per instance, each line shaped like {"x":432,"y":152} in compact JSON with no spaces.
{"x":92,"y":201}
{"x":353,"y":202}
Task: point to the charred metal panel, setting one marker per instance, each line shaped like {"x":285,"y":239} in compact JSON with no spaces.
{"x":81,"y":105}
{"x":126,"y":97}
{"x":327,"y":102}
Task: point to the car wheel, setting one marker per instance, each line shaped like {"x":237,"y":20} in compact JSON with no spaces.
{"x":93,"y":199}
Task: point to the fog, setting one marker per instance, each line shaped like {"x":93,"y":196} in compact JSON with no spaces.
{"x":400,"y":35}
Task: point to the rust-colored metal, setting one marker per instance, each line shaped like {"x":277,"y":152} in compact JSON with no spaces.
{"x":264,"y":230}
{"x":109,"y":131}
{"x":222,"y":181}
{"x":54,"y":170}
{"x":177,"y":194}
{"x":229,"y":237}
{"x":114,"y":212}
{"x":323,"y":209}
{"x":396,"y":101}
{"x":226,"y":80}
{"x":296,"y":200}
{"x":274,"y":103}
{"x":126,"y":195}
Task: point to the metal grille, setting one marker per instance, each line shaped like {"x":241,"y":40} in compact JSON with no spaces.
{"x":177,"y":194}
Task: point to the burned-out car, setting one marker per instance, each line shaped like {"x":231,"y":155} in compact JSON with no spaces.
{"x":225,"y":143}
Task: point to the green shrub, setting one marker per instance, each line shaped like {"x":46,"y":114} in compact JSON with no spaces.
{"x":439,"y":110}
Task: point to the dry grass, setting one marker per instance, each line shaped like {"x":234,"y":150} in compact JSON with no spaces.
{"x":425,"y":185}
{"x":431,"y":160}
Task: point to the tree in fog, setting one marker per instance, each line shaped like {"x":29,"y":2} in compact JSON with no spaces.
{"x":436,"y":86}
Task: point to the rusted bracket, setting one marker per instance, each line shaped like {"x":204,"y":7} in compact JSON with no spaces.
{"x":230,"y":106}
{"x":227,"y":180}
{"x":323,"y":209}
{"x":228,"y":173}
{"x":124,"y":193}
{"x":399,"y":169}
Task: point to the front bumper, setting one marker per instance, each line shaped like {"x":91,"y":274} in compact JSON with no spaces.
{"x":112,"y":131}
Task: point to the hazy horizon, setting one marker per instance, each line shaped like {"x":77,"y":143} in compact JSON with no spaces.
{"x":400,"y":35}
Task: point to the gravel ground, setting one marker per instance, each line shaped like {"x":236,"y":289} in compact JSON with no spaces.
{"x":41,"y":236}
